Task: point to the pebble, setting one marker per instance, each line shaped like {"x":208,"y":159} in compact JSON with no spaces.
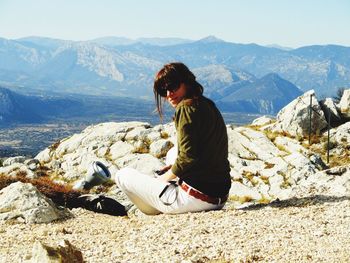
{"x":267,"y":234}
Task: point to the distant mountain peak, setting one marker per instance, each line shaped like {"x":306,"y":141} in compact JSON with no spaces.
{"x":210,"y":39}
{"x":279,"y":47}
{"x":272,"y":75}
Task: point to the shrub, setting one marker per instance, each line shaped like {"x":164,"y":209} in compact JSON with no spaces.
{"x":58,"y":193}
{"x":332,"y":145}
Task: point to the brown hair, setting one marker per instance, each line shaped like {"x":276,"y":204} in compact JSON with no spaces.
{"x":170,"y":76}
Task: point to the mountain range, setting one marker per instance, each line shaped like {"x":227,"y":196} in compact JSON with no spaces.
{"x":238,"y":77}
{"x":17,"y":108}
{"x":124,"y":67}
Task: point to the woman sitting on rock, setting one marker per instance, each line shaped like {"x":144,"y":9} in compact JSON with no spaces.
{"x":199,"y":180}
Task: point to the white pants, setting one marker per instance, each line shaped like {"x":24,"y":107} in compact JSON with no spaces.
{"x":144,"y":191}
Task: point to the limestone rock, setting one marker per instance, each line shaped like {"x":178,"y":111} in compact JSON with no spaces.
{"x":17,"y":169}
{"x":144,"y":163}
{"x":32,"y":164}
{"x":120,"y":149}
{"x":264,"y":165}
{"x":23,"y":200}
{"x":333,"y":182}
{"x":65,"y":252}
{"x":262,"y":121}
{"x":289,"y":145}
{"x":344,"y":103}
{"x":341,"y":134}
{"x":44,"y":156}
{"x":329,"y":108}
{"x":243,"y":193}
{"x":160,"y":148}
{"x":257,"y":144}
{"x":13,"y":160}
{"x":294,"y":118}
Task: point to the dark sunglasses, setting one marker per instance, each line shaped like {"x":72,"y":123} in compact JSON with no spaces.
{"x":172,"y":88}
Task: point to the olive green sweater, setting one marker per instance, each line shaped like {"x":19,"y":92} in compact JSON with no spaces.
{"x":202,"y":147}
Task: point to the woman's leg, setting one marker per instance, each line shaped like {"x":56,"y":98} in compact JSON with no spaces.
{"x":144,"y":191}
{"x":141,"y":189}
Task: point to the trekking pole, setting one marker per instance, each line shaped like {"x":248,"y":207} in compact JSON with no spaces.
{"x":329,"y":127}
{"x":310,"y":113}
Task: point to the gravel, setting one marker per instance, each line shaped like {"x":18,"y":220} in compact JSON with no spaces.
{"x":312,"y":229}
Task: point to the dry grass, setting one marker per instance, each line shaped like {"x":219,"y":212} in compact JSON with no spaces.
{"x":264,"y":200}
{"x":269,"y":165}
{"x":265,"y":179}
{"x":334,"y":159}
{"x":240,"y":199}
{"x":164,"y":135}
{"x":283,"y":149}
{"x":54,"y":146}
{"x":251,"y":177}
{"x":58,"y":193}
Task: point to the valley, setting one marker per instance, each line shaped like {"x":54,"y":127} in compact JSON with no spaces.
{"x":30,"y":139}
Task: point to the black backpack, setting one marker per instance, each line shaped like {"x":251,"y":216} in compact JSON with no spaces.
{"x":102,"y":204}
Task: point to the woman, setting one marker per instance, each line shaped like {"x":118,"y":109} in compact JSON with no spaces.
{"x":201,"y":167}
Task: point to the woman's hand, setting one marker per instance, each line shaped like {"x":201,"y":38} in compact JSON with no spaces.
{"x":163,"y":170}
{"x":168,"y":176}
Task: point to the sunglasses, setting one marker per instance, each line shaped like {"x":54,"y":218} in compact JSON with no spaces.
{"x":172,"y":88}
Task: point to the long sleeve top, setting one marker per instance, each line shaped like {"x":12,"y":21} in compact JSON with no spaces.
{"x":202,"y":147}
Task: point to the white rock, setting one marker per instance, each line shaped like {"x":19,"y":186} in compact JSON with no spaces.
{"x":257,"y":143}
{"x":154,"y":135}
{"x":144,"y":163}
{"x":328,"y":105}
{"x":44,"y":156}
{"x":289,"y":144}
{"x":140,"y":146}
{"x":7,"y":170}
{"x":120,"y":149}
{"x":160,"y":148}
{"x":242,"y":191}
{"x":294,"y":118}
{"x":344,"y":103}
{"x":236,"y":145}
{"x":102,"y":151}
{"x":297,"y":160}
{"x":28,"y":172}
{"x":263,"y":120}
{"x":20,"y":200}
{"x":138,"y":133}
{"x":12,"y":160}
{"x":326,"y":183}
{"x":65,"y":252}
{"x":32,"y":164}
{"x":236,"y":163}
{"x":341,"y":134}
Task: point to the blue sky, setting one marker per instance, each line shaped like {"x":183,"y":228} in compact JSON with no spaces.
{"x":292,"y":23}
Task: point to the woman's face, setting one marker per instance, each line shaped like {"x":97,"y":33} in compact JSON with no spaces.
{"x":176,"y":96}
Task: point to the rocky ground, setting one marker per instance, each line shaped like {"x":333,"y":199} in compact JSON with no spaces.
{"x":314,"y":229}
{"x":307,"y":218}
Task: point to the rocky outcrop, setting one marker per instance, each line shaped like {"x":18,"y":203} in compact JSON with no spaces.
{"x":23,"y":201}
{"x":331,"y":111}
{"x":64,"y":252}
{"x":294,"y":118}
{"x":344,"y":104}
{"x":269,"y":159}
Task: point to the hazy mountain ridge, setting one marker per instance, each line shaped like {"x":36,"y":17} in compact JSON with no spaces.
{"x":95,"y":68}
{"x":266,"y":95}
{"x":16,"y":108}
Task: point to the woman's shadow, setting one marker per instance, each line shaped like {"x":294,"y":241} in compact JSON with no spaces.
{"x":299,"y":202}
